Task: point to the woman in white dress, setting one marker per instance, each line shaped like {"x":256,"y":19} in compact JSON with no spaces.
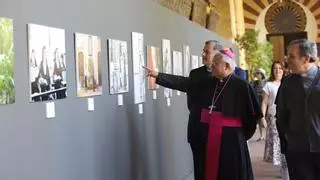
{"x":272,"y":152}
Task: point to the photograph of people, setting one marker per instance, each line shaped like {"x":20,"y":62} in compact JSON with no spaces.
{"x":47,"y":63}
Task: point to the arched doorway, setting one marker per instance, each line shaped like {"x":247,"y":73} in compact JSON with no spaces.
{"x":285,"y":21}
{"x":282,"y":21}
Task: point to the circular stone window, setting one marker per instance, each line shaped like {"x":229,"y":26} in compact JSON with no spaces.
{"x":285,"y":17}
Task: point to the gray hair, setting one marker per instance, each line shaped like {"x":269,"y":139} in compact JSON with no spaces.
{"x":227,"y":60}
{"x":307,"y":48}
{"x":216,"y":44}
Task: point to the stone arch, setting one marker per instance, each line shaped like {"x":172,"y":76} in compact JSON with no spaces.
{"x":253,"y":8}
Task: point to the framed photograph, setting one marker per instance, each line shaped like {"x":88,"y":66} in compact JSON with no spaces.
{"x":200,"y":61}
{"x":138,"y":71}
{"x":166,"y":56}
{"x":118,"y":66}
{"x":153,"y":62}
{"x":186,"y":60}
{"x":47,"y":63}
{"x":194,"y":62}
{"x":7,"y":88}
{"x":167,"y":64}
{"x":88,"y":65}
{"x":177,"y":63}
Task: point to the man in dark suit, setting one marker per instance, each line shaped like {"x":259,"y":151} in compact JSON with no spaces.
{"x":298,"y":111}
{"x":196,"y":130}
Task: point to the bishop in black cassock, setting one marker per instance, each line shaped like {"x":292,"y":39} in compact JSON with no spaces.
{"x":228,"y":106}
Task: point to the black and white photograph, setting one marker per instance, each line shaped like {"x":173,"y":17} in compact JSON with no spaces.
{"x":186,"y":58}
{"x":138,"y":72}
{"x":166,"y":63}
{"x":177,"y":63}
{"x":47,"y":63}
{"x":118,"y":66}
{"x":194,"y":62}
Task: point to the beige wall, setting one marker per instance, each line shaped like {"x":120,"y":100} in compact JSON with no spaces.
{"x":224,"y":24}
{"x":237,"y":25}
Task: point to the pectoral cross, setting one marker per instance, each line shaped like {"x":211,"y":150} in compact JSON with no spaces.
{"x":211,"y":108}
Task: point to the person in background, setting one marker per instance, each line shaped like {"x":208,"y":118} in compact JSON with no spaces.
{"x":272,"y":151}
{"x":258,"y":84}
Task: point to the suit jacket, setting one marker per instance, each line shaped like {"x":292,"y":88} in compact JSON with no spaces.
{"x":241,"y":73}
{"x":195,"y":128}
{"x":298,"y":115}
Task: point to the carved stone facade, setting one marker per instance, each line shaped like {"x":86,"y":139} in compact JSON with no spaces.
{"x":199,"y":11}
{"x":223,"y":26}
{"x":225,"y":17}
{"x":183,"y":7}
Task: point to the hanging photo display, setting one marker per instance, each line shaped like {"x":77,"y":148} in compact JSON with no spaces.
{"x":186,"y":58}
{"x":138,"y":71}
{"x":118,"y":66}
{"x":7,"y":89}
{"x":88,"y":65}
{"x":166,"y":63}
{"x":194,"y":62}
{"x":153,"y":62}
{"x":200,"y":61}
{"x":47,"y":63}
{"x":177,"y":63}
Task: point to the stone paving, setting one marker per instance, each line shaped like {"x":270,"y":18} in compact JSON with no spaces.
{"x":262,"y":170}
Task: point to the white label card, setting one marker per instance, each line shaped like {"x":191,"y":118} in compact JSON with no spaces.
{"x":154,"y":94}
{"x":90,"y":104}
{"x":120,"y":100}
{"x":50,"y":110}
{"x":168,"y":102}
{"x":140,"y":108}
